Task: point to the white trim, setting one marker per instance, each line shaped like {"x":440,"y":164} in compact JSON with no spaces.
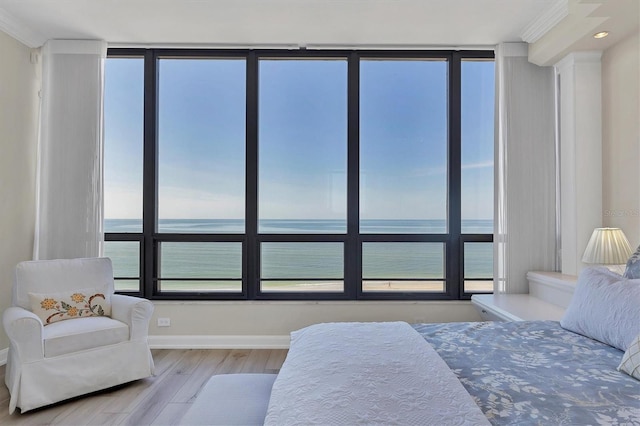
{"x":218,"y":342}
{"x":76,"y":47}
{"x":588,"y":56}
{"x":545,"y":21}
{"x":292,"y":46}
{"x":4,"y":353}
{"x":552,"y":287}
{"x":402,"y":46}
{"x":16,"y":29}
{"x":266,"y":46}
{"x":513,"y":50}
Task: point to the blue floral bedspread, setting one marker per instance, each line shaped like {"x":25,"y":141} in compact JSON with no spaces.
{"x":537,"y":373}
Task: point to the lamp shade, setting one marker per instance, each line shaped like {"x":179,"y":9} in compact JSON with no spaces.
{"x":607,"y":246}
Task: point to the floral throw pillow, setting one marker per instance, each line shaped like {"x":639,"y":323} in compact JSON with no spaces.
{"x":87,"y":302}
{"x":631,"y":360}
{"x":632,"y":270}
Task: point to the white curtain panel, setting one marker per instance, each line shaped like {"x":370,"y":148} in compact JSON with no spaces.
{"x":525,"y":212}
{"x":69,"y":182}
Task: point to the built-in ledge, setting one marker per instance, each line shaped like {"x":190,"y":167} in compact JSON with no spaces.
{"x":552,"y":287}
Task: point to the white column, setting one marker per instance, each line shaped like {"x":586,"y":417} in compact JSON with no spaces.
{"x":525,"y":167}
{"x":580,"y":154}
{"x":69,"y":182}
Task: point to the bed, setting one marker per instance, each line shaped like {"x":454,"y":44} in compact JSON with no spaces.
{"x":536,"y":372}
{"x":583,"y":370}
{"x":572,"y":372}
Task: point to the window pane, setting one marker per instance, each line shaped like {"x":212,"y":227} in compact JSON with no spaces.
{"x":403,"y":267}
{"x":200,"y":286}
{"x":123,"y":144}
{"x":302,"y":146}
{"x":200,"y":267}
{"x":403,"y":146}
{"x":127,"y":285}
{"x":201,"y":260}
{"x":125,"y":257}
{"x":302,"y":267}
{"x":478,"y":92}
{"x":478,"y":267}
{"x":201,"y":137}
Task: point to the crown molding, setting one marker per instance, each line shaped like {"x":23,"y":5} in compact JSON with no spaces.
{"x":573,"y":58}
{"x":547,"y":20}
{"x":16,"y":29}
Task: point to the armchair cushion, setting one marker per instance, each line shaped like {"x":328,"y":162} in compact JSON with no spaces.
{"x":72,"y":304}
{"x":67,"y":337}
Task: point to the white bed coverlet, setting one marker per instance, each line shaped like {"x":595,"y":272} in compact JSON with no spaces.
{"x":367,"y":373}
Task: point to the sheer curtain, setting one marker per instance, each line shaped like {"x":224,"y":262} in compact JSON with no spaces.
{"x":69,"y":181}
{"x":525,"y":213}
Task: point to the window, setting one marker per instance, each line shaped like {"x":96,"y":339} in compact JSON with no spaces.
{"x":201,"y":145}
{"x":477,"y":116}
{"x":123,"y":168}
{"x":403,"y":146}
{"x":302,"y":146}
{"x":299,"y":174}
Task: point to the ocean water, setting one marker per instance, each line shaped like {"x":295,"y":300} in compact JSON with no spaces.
{"x":308,"y":226}
{"x":222,"y":261}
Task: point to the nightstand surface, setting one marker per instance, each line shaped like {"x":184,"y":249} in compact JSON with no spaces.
{"x":516,"y":307}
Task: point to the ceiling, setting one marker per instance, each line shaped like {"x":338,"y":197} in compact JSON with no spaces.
{"x":447,"y":23}
{"x":552,"y":28}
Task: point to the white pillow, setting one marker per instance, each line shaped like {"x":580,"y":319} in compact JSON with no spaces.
{"x":631,"y":360}
{"x":605,"y":307}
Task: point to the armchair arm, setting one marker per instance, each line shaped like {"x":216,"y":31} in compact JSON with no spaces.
{"x":135,"y":312}
{"x":24,"y":329}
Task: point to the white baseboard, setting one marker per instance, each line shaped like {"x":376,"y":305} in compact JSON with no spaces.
{"x":218,"y":342}
{"x":3,"y":356}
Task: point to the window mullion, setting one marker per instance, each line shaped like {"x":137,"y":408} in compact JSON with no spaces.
{"x":252,"y":251}
{"x":454,"y":259}
{"x":150,"y":173}
{"x":353,"y":246}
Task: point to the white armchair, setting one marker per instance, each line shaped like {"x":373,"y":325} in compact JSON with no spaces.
{"x":64,"y":359}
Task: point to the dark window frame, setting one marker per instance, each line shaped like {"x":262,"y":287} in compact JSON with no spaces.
{"x":251,"y":240}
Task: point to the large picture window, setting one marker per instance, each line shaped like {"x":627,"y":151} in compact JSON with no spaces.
{"x":299,"y":174}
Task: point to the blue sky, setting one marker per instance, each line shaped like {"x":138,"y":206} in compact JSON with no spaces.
{"x":302,"y":139}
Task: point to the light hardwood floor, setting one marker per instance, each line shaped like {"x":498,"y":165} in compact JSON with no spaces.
{"x":159,"y":400}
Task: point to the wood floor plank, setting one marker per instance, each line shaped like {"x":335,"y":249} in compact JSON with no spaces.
{"x":275,"y":361}
{"x":146,"y":412}
{"x":81,"y":412}
{"x":204,"y":371}
{"x":137,"y":391}
{"x":107,"y":419}
{"x":159,"y":400}
{"x":171,"y":414}
{"x":189,"y":362}
{"x":43,"y":416}
{"x":233,"y":362}
{"x":255,"y":362}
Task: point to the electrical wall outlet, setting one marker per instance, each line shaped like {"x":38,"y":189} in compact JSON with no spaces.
{"x":164,"y":322}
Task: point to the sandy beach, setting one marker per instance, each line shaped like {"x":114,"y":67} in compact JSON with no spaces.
{"x":337,"y":286}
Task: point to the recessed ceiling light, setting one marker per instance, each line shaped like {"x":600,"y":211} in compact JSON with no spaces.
{"x":601,"y":34}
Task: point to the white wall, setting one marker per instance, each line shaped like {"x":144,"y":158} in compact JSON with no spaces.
{"x":19,"y":84}
{"x":621,"y":137}
{"x":580,"y":129}
{"x":279,"y":318}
